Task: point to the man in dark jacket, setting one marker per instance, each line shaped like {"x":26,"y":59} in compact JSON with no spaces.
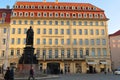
{"x":7,"y":74}
{"x":31,"y":74}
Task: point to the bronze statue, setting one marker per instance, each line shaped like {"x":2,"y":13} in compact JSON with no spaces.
{"x":30,"y":36}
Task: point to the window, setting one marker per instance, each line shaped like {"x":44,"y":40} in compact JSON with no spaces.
{"x":98,"y":51}
{"x":44,"y":31}
{"x":3,"y":15}
{"x":44,"y":41}
{"x":38,"y":14}
{"x":56,"y":31}
{"x":19,"y":30}
{"x":74,"y":42}
{"x":13,"y":30}
{"x":87,"y":51}
{"x":44,"y":52}
{"x":19,"y":22}
{"x":31,"y":14}
{"x":90,"y":16}
{"x":44,"y":14}
{"x":62,"y":52}
{"x":44,"y":22}
{"x":38,"y":31}
{"x":68,"y":31}
{"x":104,"y":52}
{"x":74,"y":31}
{"x":50,"y":41}
{"x":18,"y":41}
{"x":103,"y":42}
{"x":56,"y":22}
{"x":86,"y":42}
{"x":91,"y":31}
{"x":85,"y":23}
{"x":20,"y":14}
{"x":4,"y":30}
{"x":86,"y":32}
{"x":68,"y":53}
{"x":96,"y":23}
{"x":38,"y":22}
{"x":75,"y":53}
{"x":62,"y":41}
{"x":56,"y":14}
{"x":32,"y":6}
{"x":4,"y":41}
{"x":96,"y":15}
{"x":62,"y":22}
{"x":38,"y":41}
{"x":103,"y":32}
{"x":50,"y":22}
{"x":50,"y":14}
{"x":56,"y":53}
{"x":61,"y":15}
{"x":93,"y":52}
{"x":25,"y":22}
{"x":50,"y":53}
{"x":74,"y":23}
{"x":67,"y":15}
{"x":98,"y":41}
{"x":62,"y":31}
{"x":81,"y":53}
{"x":26,"y":14}
{"x":97,"y":32}
{"x":80,"y":31}
{"x":68,"y":22}
{"x":12,"y":41}
{"x":68,"y":41}
{"x":92,"y":42}
{"x":79,"y":15}
{"x":102,"y":23}
{"x":18,"y":52}
{"x":56,"y":41}
{"x":26,"y":6}
{"x":50,"y":31}
{"x":14,"y":14}
{"x":14,"y":22}
{"x":31,"y":22}
{"x":74,"y":15}
{"x":3,"y":53}
{"x":80,"y":42}
{"x":80,"y":23}
{"x":12,"y":52}
{"x":24,"y":41}
{"x":25,"y":30}
{"x":91,"y":23}
{"x":85,"y":15}
{"x":101,"y":16}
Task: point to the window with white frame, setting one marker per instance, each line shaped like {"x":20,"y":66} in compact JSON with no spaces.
{"x":103,"y":41}
{"x":16,"y":6}
{"x":56,"y":31}
{"x":62,"y":22}
{"x":20,"y":14}
{"x":44,"y":14}
{"x":56,"y":41}
{"x":62,"y":41}
{"x":102,"y":23}
{"x":85,"y":23}
{"x":80,"y":42}
{"x":68,"y":41}
{"x":45,"y":7}
{"x":98,"y":51}
{"x":74,"y":23}
{"x":19,"y":22}
{"x":90,"y":16}
{"x":21,"y":6}
{"x":98,"y":41}
{"x":12,"y":40}
{"x":31,"y":14}
{"x":38,"y":41}
{"x":25,"y":22}
{"x":80,"y":31}
{"x":56,"y":15}
{"x":61,"y":14}
{"x":27,"y":6}
{"x":86,"y":42}
{"x":68,"y":31}
{"x":67,"y":15}
{"x":32,"y":6}
{"x":39,"y":14}
{"x":74,"y":31}
{"x":19,"y":30}
{"x":92,"y":42}
{"x":50,"y":22}
{"x":38,"y":22}
{"x":44,"y":22}
{"x":56,"y":22}
{"x":24,"y":40}
{"x":14,"y":21}
{"x":80,"y":23}
{"x":103,"y":32}
{"x":73,"y":7}
{"x":25,"y":30}
{"x":50,"y":7}
{"x":86,"y":31}
{"x":50,"y":41}
{"x":56,"y":7}
{"x":38,"y":31}
{"x":13,"y":30}
{"x":79,"y":15}
{"x":50,"y":14}
{"x":39,"y":7}
{"x":18,"y":52}
{"x":96,"y":23}
{"x":44,"y":31}
{"x":101,"y":16}
{"x":18,"y":41}
{"x":61,"y":7}
{"x":62,"y":31}
{"x":93,"y":52}
{"x":75,"y":42}
{"x":67,"y":22}
{"x":50,"y":31}
{"x":31,"y":22}
{"x":97,"y":31}
{"x":14,"y":14}
{"x":95,"y":15}
{"x":91,"y":23}
{"x":78,"y":8}
{"x":85,"y":15}
{"x":26,"y":14}
{"x":104,"y":52}
{"x":74,"y":15}
{"x":67,"y":7}
{"x":44,"y":41}
{"x":91,"y":32}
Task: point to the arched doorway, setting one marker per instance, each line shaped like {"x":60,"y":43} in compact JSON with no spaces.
{"x":53,"y":68}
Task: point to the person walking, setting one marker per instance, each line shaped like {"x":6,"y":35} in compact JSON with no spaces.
{"x":7,"y":74}
{"x":31,"y":75}
{"x":12,"y":74}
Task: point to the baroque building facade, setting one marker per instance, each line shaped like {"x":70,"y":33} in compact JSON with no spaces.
{"x":68,"y":37}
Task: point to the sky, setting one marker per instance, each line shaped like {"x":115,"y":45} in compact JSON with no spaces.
{"x":111,"y":8}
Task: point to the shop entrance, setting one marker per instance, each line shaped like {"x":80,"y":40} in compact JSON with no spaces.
{"x":53,"y":68}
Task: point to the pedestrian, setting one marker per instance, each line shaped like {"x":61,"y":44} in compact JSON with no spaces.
{"x":31,"y":75}
{"x":12,"y":74}
{"x":7,"y":74}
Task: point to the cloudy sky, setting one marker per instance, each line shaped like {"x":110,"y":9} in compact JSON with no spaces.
{"x":111,"y":8}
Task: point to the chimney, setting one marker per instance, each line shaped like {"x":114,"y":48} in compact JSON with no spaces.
{"x":8,"y":7}
{"x":56,"y":1}
{"x":44,"y":0}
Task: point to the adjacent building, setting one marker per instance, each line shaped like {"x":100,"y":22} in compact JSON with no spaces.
{"x":4,"y":35}
{"x":115,"y":49}
{"x":68,"y":37}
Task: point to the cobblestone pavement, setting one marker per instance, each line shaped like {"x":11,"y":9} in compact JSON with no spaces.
{"x":100,"y":76}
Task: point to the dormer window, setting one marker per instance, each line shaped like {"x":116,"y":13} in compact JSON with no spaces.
{"x":56,"y":14}
{"x":83,"y":8}
{"x":3,"y":15}
{"x":73,"y":7}
{"x":96,"y":15}
{"x":89,"y":8}
{"x":85,"y":15}
{"x":101,"y":16}
{"x":56,"y":7}
{"x":39,"y":7}
{"x":14,"y":14}
{"x":50,"y":14}
{"x":45,"y":7}
{"x":78,"y":7}
{"x":74,"y":15}
{"x":20,"y":14}
{"x":38,"y":14}
{"x":50,"y":7}
{"x":94,"y":8}
{"x":79,"y":15}
{"x":26,"y":14}
{"x":61,"y":7}
{"x":61,"y":14}
{"x":32,"y":6}
{"x":26,"y":6}
{"x":21,"y":6}
{"x":45,"y":14}
{"x":67,"y":7}
{"x":31,"y":14}
{"x":67,"y":15}
{"x":16,"y":6}
{"x":90,"y":16}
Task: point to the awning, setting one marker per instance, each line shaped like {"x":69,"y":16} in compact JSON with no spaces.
{"x":103,"y":62}
{"x":91,"y":62}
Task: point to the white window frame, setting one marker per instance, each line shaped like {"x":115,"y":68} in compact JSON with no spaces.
{"x":85,"y":15}
{"x":50,"y":14}
{"x":74,"y":14}
{"x":31,"y":14}
{"x":27,"y":6}
{"x":14,"y":13}
{"x":79,"y":15}
{"x":20,"y":14}
{"x":25,"y":14}
{"x":73,"y":7}
{"x":39,"y":7}
{"x":21,"y":6}
{"x":32,"y":6}
{"x":67,"y":15}
{"x":90,"y":16}
{"x":95,"y":15}
{"x":56,"y":7}
{"x":61,"y":14}
{"x":38,"y":14}
{"x":67,"y":8}
{"x":56,"y":14}
{"x":50,"y":7}
{"x":44,"y":14}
